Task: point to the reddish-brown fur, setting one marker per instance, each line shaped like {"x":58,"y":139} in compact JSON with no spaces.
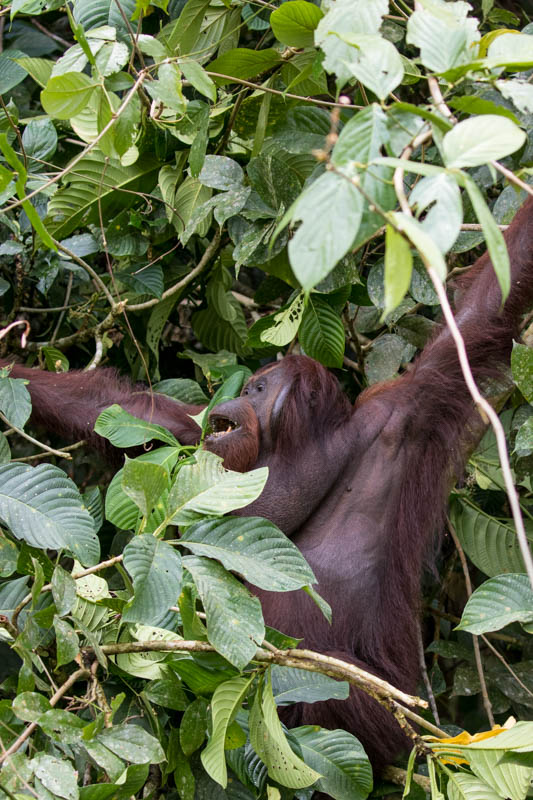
{"x":360,"y":490}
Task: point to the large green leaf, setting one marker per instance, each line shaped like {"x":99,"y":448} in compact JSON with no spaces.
{"x":498,"y":602}
{"x":507,"y":780}
{"x":206,"y":488}
{"x":340,"y":758}
{"x":361,"y":141}
{"x":243,"y":63}
{"x":132,"y":743}
{"x":321,"y":333}
{"x":95,"y":184}
{"x":491,"y":544}
{"x":375,"y":62}
{"x":346,"y":17}
{"x":438,"y":198}
{"x":225,"y":703}
{"x":270,"y":743}
{"x":235,"y":624}
{"x":253,"y":547}
{"x":444,"y":34}
{"x":97,"y":13}
{"x":478,"y":140}
{"x":44,"y":508}
{"x":319,"y":243}
{"x":144,"y":482}
{"x":66,"y":95}
{"x":425,"y":245}
{"x":155,"y":568}
{"x":119,"y":507}
{"x":294,"y":23}
{"x":462,"y":786}
{"x":124,"y":430}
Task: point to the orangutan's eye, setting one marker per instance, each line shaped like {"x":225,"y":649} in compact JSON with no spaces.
{"x":260,"y":387}
{"x":245,"y":391}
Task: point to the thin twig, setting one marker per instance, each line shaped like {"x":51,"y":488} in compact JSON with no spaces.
{"x":38,"y":456}
{"x":425,"y":676}
{"x":251,"y":85}
{"x":87,"y":267}
{"x":60,"y":453}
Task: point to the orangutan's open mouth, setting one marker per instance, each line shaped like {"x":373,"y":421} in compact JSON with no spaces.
{"x":221,"y":426}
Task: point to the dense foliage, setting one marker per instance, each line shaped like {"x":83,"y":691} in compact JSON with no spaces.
{"x":190,"y":188}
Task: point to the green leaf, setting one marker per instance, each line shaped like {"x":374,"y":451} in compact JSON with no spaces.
{"x":100,"y":13}
{"x":519,"y":92}
{"x":132,"y":743}
{"x":66,"y":95}
{"x":443,"y":34}
{"x":270,"y":743}
{"x":79,"y":201}
{"x":421,"y":240}
{"x":63,"y":590}
{"x":155,"y":568}
{"x":40,"y":69}
{"x":462,"y":786}
{"x":322,"y":333}
{"x":478,"y":140}
{"x":144,"y":482}
{"x":221,"y":172}
{"x":491,"y":544}
{"x":180,"y":37}
{"x":294,"y":23}
{"x":493,"y":236}
{"x":43,"y":507}
{"x":193,"y":726}
{"x":292,"y":685}
{"x":15,"y":400}
{"x":235,"y":624}
{"x":206,"y":488}
{"x":55,"y":360}
{"x":119,"y":508}
{"x":440,"y":194}
{"x":254,"y":548}
{"x":124,"y":430}
{"x":67,"y":642}
{"x":198,"y":77}
{"x":30,"y":706}
{"x":340,"y":758}
{"x":522,"y":369}
{"x":347,"y":17}
{"x":243,"y":63}
{"x":398,"y":269}
{"x":283,"y":326}
{"x":375,"y":62}
{"x":168,"y":88}
{"x":225,"y":703}
{"x":319,"y":243}
{"x":167,"y":692}
{"x":360,"y":142}
{"x":498,"y":602}
{"x":58,"y":776}
{"x":507,"y":780}
{"x":184,"y":390}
